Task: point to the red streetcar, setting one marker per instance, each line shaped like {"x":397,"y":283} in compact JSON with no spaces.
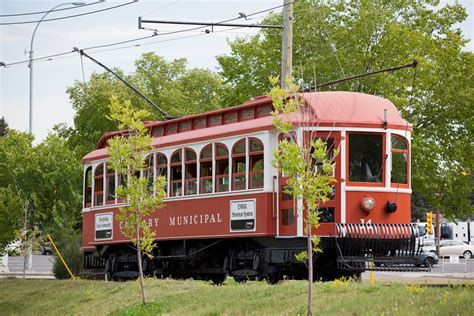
{"x":226,"y":212}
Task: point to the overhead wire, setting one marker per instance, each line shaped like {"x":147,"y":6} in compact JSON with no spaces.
{"x":49,"y":57}
{"x":56,"y":10}
{"x":69,"y":16}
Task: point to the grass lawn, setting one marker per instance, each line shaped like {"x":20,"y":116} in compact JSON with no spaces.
{"x":63,"y":297}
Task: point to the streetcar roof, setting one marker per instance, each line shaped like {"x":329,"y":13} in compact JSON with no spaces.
{"x":337,"y":108}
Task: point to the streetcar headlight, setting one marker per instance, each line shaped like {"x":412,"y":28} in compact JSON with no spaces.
{"x":391,"y":207}
{"x":368,"y":203}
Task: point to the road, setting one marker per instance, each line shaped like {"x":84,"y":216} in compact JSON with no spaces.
{"x":42,"y":267}
{"x":464,"y":270}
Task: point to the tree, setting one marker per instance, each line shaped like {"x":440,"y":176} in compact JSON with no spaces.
{"x":334,"y":39}
{"x":3,"y":127}
{"x":306,"y":165}
{"x":47,"y":177}
{"x":128,"y":160}
{"x":177,"y":90}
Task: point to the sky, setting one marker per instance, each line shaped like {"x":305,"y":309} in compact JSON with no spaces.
{"x":51,"y":78}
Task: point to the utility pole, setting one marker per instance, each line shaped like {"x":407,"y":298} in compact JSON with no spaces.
{"x":287,"y":43}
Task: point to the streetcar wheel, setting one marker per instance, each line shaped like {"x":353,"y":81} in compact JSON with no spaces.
{"x":240,"y":280}
{"x":274,"y":278}
{"x":219,"y":278}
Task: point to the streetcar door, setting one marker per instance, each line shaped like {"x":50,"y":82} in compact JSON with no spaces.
{"x":330,"y":210}
{"x":287,"y":207}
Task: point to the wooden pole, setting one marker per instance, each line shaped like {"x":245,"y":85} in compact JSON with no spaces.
{"x":287,"y":43}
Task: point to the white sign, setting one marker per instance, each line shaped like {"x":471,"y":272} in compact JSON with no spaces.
{"x":453,"y":259}
{"x":242,"y":215}
{"x":103,"y":226}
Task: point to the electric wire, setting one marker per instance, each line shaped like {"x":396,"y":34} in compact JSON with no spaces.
{"x":69,"y":16}
{"x":71,"y":54}
{"x":56,"y":10}
{"x":158,"y":42}
{"x":134,"y":39}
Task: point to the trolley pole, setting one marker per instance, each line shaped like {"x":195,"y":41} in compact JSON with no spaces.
{"x":287,"y":43}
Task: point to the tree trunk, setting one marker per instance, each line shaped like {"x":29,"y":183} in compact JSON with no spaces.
{"x":140,"y":268}
{"x":310,"y":269}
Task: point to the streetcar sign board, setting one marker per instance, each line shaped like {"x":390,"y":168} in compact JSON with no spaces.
{"x":103,"y":226}
{"x":242,"y":215}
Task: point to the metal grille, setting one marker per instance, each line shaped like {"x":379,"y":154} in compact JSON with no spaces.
{"x":379,"y":247}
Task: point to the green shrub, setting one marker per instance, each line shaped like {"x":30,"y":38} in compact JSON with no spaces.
{"x":69,"y":244}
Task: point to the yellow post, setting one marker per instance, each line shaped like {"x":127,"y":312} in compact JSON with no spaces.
{"x":371,"y":271}
{"x":61,"y":257}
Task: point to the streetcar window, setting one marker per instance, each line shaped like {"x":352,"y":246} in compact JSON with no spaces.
{"x":162,"y":168}
{"x":222,"y":168}
{"x":200,"y":123}
{"x":247,"y":114}
{"x":256,"y":163}
{"x":239,"y":167}
{"x":171,"y":129}
{"x":190,"y":164}
{"x":176,"y":174}
{"x":185,"y":126}
{"x":88,"y":188}
{"x":110,"y":182}
{"x":365,"y":158}
{"x":99,"y":185}
{"x":230,"y":117}
{"x":148,"y":170}
{"x":399,"y":160}
{"x":287,"y":216}
{"x":157,"y":131}
{"x":264,"y":110}
{"x":326,"y":215}
{"x":215,"y":120}
{"x":121,"y":181}
{"x":206,"y":170}
{"x":329,"y":153}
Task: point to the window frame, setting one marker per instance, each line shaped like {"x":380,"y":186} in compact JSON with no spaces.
{"x":170,"y":170}
{"x":216,"y":158}
{"x":255,"y":153}
{"x":240,"y":155}
{"x":186,"y":179}
{"x":161,"y":166}
{"x":383,"y":157}
{"x":206,"y":160}
{"x":107,"y":176}
{"x":400,"y":151}
{"x":99,"y":177}
{"x":86,"y":193}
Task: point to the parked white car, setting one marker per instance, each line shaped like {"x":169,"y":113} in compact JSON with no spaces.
{"x":451,"y":248}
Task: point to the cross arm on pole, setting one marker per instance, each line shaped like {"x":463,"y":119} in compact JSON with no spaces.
{"x":211,"y":24}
